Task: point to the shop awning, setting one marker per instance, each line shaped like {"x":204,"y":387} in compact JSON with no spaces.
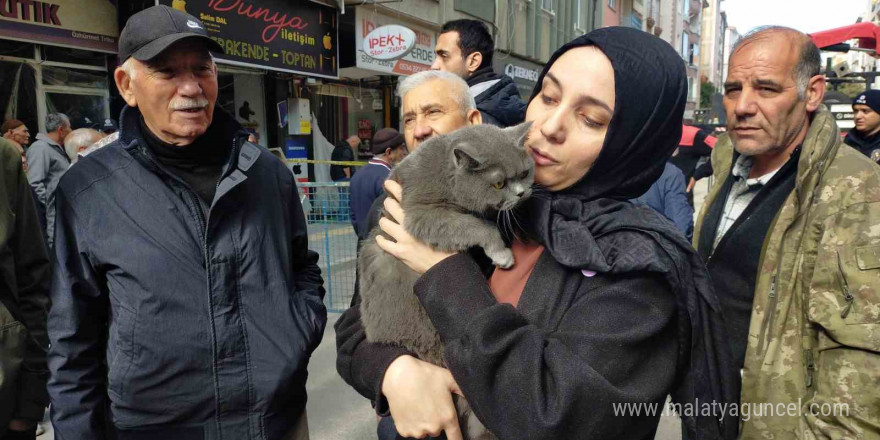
{"x":867,"y":33}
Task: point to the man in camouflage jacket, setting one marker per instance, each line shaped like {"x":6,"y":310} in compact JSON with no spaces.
{"x":811,"y":343}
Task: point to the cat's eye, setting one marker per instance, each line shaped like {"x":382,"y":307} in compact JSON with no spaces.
{"x":499,"y":184}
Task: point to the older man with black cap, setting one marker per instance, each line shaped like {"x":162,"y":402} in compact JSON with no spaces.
{"x":185,"y":300}
{"x":389,"y":148}
{"x":865,"y":137}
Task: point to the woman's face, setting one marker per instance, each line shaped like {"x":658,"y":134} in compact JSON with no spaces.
{"x":570,"y":117}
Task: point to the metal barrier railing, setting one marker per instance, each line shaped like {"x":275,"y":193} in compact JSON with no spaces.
{"x":332,"y":237}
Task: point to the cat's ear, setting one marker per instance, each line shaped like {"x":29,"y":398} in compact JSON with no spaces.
{"x":519,"y":133}
{"x":464,"y":157}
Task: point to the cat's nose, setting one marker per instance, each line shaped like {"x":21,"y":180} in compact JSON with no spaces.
{"x":520,"y":193}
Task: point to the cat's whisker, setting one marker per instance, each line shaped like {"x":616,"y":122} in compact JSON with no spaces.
{"x":510,"y":225}
{"x":518,"y":225}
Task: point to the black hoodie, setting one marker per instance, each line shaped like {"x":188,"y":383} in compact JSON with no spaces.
{"x":500,"y":104}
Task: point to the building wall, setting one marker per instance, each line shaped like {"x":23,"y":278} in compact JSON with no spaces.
{"x":681,"y":23}
{"x":527,"y":30}
{"x":731,"y":36}
{"x":612,"y":15}
{"x":710,"y":42}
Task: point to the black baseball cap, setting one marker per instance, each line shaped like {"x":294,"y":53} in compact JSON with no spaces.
{"x":151,"y":31}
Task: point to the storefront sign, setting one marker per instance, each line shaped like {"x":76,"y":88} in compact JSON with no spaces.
{"x":514,"y":71}
{"x":417,"y":59}
{"x":299,"y":37}
{"x":523,"y":72}
{"x":843,"y":115}
{"x":81,"y":24}
{"x":389,"y":42}
{"x":365,"y":129}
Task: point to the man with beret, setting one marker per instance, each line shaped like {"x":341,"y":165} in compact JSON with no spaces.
{"x":185,"y":301}
{"x":865,"y":137}
{"x":389,"y":148}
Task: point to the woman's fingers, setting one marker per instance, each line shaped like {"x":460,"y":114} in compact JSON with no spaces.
{"x":394,"y":230}
{"x":419,"y":398}
{"x":393,"y":209}
{"x":394,"y":189}
{"x":388,"y":246}
{"x":453,"y":431}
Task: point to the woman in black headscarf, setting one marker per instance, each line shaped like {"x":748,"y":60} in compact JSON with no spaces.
{"x":607,"y":303}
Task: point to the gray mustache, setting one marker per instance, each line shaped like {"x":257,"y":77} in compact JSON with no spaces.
{"x":187,"y":104}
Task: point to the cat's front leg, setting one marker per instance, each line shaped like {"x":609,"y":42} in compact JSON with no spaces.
{"x":454,"y":231}
{"x":502,"y":258}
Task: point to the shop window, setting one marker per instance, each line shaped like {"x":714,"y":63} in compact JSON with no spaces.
{"x":16,"y":49}
{"x":18,"y":97}
{"x":83,"y":110}
{"x":73,"y":56}
{"x":241,"y":95}
{"x":67,"y":77}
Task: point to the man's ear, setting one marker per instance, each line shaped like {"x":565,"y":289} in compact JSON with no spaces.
{"x":815,"y":92}
{"x":472,"y":62}
{"x":474,"y":117}
{"x":123,"y":84}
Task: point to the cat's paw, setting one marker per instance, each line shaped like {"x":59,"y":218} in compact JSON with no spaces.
{"x":502,"y":258}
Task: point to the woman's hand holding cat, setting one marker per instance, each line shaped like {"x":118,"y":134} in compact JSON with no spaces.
{"x":420,"y":398}
{"x":415,"y":254}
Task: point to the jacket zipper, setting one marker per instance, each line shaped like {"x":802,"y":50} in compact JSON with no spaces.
{"x":203,"y":233}
{"x":768,"y":321}
{"x":847,"y":295}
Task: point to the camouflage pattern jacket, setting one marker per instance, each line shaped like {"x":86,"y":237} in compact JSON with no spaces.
{"x":812,"y":366}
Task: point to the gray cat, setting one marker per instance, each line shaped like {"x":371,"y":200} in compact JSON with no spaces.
{"x":454,"y":188}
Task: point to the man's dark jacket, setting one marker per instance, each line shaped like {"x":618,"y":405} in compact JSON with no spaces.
{"x":24,"y":297}
{"x":865,"y":144}
{"x":174,"y":321}
{"x":500,"y":104}
{"x":342,"y":153}
{"x":667,"y":196}
{"x":366,"y":186}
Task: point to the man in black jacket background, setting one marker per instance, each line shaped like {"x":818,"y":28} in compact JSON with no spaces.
{"x":185,"y":299}
{"x":865,"y":136}
{"x":465,"y":48}
{"x":24,"y":297}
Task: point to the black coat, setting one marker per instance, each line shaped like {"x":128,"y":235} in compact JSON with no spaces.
{"x":204,"y":318}
{"x":552,"y":368}
{"x":24,"y":296}
{"x":865,"y":144}
{"x":500,"y":104}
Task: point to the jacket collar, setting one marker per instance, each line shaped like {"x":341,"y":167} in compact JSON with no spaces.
{"x":482,"y":75}
{"x":819,"y":147}
{"x":241,"y":159}
{"x":380,"y":162}
{"x":45,"y":138}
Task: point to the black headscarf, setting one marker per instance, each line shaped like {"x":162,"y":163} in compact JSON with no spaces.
{"x":590,"y":225}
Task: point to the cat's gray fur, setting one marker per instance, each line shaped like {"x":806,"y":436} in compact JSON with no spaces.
{"x":451,"y":204}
